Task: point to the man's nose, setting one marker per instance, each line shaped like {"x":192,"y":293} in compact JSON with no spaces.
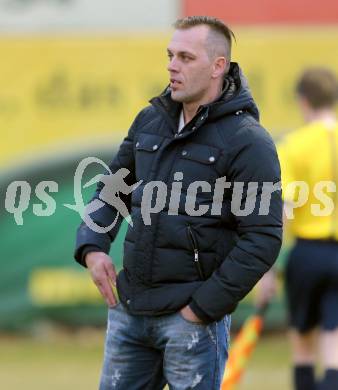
{"x":173,"y":65}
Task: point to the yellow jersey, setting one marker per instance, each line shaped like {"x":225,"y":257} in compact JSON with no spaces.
{"x":309,"y":157}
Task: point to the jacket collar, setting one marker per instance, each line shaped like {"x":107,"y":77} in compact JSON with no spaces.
{"x":235,"y":96}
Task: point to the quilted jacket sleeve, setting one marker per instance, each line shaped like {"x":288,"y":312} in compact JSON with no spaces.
{"x":89,"y":240}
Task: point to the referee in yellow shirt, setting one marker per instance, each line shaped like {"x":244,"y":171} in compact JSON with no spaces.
{"x":310,"y":156}
{"x":309,"y":165}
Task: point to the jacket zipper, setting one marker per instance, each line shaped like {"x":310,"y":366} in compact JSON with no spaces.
{"x":196,"y":254}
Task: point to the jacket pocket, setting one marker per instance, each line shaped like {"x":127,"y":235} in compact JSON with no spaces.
{"x":148,"y":142}
{"x":194,"y":245}
{"x":146,"y":154}
{"x":198,"y":163}
{"x":203,"y":154}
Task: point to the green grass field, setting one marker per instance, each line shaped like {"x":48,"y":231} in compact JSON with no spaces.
{"x":68,"y":361}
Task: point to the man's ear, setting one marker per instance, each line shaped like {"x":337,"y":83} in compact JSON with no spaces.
{"x":220,"y":67}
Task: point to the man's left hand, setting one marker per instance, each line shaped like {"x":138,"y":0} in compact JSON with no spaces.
{"x":189,"y":315}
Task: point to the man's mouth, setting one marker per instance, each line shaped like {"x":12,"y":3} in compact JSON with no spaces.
{"x":174,"y":84}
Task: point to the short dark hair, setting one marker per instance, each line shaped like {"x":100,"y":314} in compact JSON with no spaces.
{"x":319,"y":86}
{"x":215,"y":25}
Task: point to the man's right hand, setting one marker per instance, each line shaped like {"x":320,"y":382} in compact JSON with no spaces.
{"x":103,"y":273}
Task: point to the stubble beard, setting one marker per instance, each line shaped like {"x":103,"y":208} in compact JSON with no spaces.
{"x":178,"y":97}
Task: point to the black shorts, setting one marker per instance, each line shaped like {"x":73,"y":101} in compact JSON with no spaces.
{"x":312,"y":285}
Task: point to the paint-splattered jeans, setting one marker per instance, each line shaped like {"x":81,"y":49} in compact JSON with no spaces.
{"x":143,"y":352}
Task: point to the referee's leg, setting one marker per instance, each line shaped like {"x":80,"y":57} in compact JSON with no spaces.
{"x":328,"y":341}
{"x":329,"y":357}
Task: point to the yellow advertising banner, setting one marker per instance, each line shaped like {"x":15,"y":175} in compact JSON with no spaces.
{"x":62,"y":94}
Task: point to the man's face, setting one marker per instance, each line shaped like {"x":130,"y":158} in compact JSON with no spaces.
{"x":189,"y":66}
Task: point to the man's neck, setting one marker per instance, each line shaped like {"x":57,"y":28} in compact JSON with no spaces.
{"x":190,"y":109}
{"x":325,"y":115}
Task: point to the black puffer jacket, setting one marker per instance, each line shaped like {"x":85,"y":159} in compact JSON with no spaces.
{"x":160,"y":274}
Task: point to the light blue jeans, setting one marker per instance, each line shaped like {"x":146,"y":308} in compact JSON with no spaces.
{"x":148,"y":352}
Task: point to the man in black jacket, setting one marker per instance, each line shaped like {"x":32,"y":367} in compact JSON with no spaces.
{"x":189,"y":257}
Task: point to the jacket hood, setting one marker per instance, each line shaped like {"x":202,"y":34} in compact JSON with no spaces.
{"x":236,"y":96}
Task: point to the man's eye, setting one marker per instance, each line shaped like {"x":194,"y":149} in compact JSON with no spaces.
{"x":170,"y":56}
